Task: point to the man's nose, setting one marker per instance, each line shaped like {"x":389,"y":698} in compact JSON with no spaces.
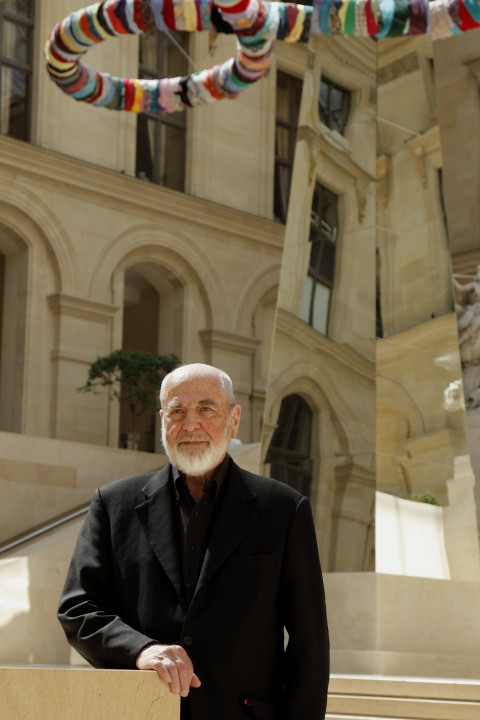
{"x":191,"y":420}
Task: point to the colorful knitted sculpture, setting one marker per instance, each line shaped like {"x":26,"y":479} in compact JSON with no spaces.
{"x":256,"y":23}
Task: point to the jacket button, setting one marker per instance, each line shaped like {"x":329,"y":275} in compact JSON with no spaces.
{"x":187,"y":640}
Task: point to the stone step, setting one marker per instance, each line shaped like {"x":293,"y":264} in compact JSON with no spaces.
{"x":389,"y":698}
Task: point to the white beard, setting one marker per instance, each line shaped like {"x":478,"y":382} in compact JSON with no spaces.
{"x":197,"y":461}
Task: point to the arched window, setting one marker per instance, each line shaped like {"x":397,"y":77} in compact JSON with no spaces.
{"x":152,"y":322}
{"x":289,"y":453}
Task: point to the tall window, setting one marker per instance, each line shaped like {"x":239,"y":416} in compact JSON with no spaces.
{"x":16,"y":40}
{"x":323,"y":237}
{"x":161,"y":138}
{"x":334,"y":105}
{"x":289,"y":94}
{"x":290,"y":448}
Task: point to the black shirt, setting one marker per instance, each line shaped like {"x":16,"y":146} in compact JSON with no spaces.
{"x":194,"y":522}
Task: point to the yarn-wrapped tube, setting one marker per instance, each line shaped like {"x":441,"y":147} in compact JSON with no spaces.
{"x":256,"y":23}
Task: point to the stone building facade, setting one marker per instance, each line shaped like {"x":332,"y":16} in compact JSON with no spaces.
{"x":295,"y":237}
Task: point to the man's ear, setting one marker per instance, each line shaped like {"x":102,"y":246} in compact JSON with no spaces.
{"x":236,"y":412}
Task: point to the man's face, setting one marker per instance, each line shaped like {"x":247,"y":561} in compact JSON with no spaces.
{"x":197,"y":423}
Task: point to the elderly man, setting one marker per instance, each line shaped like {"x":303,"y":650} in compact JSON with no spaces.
{"x":196,"y":570}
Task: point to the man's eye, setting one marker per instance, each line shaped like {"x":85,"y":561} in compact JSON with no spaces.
{"x":177,"y":412}
{"x":205,"y":410}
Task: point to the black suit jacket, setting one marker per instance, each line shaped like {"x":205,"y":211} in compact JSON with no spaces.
{"x":261,"y":574}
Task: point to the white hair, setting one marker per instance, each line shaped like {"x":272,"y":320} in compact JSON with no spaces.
{"x":202,"y":369}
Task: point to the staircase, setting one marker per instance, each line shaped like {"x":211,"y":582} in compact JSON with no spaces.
{"x":356,"y":697}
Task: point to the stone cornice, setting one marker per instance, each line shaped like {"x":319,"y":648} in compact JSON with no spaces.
{"x":122,"y":192}
{"x":81,"y":307}
{"x":220,"y":340}
{"x":339,"y":353}
{"x":325,"y":143}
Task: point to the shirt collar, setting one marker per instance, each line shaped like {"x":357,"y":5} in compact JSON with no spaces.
{"x":217,"y":480}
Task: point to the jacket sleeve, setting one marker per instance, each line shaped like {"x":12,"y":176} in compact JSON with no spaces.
{"x":307,"y":667}
{"x":88,"y":610}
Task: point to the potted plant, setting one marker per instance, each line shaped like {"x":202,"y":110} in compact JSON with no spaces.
{"x":133,"y":378}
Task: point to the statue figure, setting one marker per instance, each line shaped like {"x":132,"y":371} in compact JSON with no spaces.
{"x":467,"y":306}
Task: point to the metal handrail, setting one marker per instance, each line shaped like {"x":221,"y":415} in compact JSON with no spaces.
{"x":43,"y":529}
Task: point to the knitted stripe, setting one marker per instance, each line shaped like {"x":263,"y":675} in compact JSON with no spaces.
{"x":257,"y":24}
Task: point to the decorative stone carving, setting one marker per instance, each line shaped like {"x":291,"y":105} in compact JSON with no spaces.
{"x":467,"y":305}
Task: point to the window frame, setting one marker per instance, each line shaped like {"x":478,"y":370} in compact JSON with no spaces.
{"x":161,"y":120}
{"x":27,"y":22}
{"x":314,"y":269}
{"x":330,"y":123}
{"x":284,"y":457}
{"x":295,"y":89}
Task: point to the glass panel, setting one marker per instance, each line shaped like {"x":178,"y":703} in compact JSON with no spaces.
{"x":333,"y":106}
{"x":306,"y":299}
{"x":327,"y":263}
{"x":340,"y":104}
{"x":323,"y":103}
{"x":175,"y":62}
{"x":321,"y":306}
{"x":282,"y":139}
{"x":18,"y":7}
{"x":283,"y":97}
{"x":14,"y":111}
{"x":282,"y":191}
{"x":173,"y":165}
{"x":148,"y":55}
{"x":145,"y":145}
{"x":315,"y":255}
{"x":16,"y":42}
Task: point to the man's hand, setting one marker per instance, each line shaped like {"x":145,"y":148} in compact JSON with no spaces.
{"x":172,"y":664}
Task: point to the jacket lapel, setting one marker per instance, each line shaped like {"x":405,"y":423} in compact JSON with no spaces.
{"x":157,"y":518}
{"x":237,"y":514}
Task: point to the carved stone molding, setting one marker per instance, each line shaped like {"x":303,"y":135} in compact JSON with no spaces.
{"x":396,"y":69}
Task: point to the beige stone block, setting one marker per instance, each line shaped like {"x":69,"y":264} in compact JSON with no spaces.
{"x":56,"y":475}
{"x":59,"y":694}
{"x":405,"y":697}
{"x":18,"y":471}
{"x":438,"y":617}
{"x":352,"y":609}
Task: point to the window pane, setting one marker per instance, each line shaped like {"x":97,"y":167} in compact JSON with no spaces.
{"x":14,"y":111}
{"x":321,"y":305}
{"x":145,"y":145}
{"x":306,"y":299}
{"x":161,"y":138}
{"x":282,"y":147}
{"x":323,"y":103}
{"x":283,"y":97}
{"x":282,"y":191}
{"x":315,"y":254}
{"x":290,"y":448}
{"x":18,"y":7}
{"x":288,"y":96}
{"x":174,"y":60}
{"x":327,"y":263}
{"x":333,"y":105}
{"x":173,"y":165}
{"x":148,"y":54}
{"x":15,"y":42}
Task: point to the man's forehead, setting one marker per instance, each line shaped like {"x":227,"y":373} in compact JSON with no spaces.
{"x":196,"y":389}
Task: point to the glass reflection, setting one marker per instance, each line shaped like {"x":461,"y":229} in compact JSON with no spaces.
{"x":366,"y":332}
